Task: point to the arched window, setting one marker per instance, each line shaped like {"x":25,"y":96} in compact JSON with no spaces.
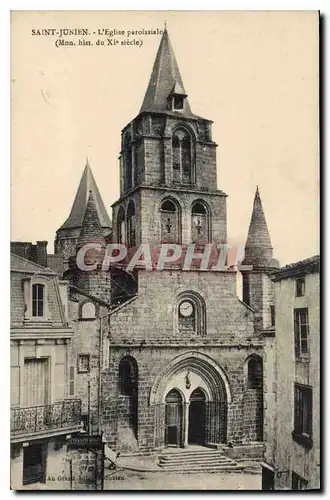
{"x":253,"y":399}
{"x":87,"y":311}
{"x":128,"y":375}
{"x":200,"y":223}
{"x":191,"y":317}
{"x":170,"y":222}
{"x":182,"y":154}
{"x":128,"y":167}
{"x":38,"y":300}
{"x":121,"y":225}
{"x":255,"y":373}
{"x":128,"y":386}
{"x":131,"y":240}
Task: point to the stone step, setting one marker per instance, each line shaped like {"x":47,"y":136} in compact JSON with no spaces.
{"x":193,"y":460}
{"x":191,"y":457}
{"x":192,"y":453}
{"x":197,"y":464}
{"x":193,"y":470}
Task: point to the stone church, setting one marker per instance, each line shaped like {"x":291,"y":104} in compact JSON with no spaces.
{"x":176,"y":357}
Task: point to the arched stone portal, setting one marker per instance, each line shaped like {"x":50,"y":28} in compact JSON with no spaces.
{"x":201,"y":383}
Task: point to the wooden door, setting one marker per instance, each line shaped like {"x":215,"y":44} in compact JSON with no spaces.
{"x":173,"y":418}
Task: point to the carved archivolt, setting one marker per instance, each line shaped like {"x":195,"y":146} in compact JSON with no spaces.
{"x":210,"y":372}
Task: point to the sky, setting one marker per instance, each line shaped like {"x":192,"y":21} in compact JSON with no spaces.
{"x":255,"y":74}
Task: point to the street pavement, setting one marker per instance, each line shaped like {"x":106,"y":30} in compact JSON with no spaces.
{"x":129,"y":480}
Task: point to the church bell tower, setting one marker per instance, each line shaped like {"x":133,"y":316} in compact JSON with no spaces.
{"x":168,"y":174}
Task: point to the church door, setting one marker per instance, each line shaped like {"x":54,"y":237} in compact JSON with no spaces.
{"x":196,"y":432}
{"x":173,"y":418}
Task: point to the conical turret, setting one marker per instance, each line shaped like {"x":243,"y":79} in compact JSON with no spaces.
{"x":87,"y":184}
{"x":68,"y":234}
{"x":258,"y":247}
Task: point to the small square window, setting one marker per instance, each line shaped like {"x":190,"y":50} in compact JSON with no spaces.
{"x":83,"y":363}
{"x":300,"y":287}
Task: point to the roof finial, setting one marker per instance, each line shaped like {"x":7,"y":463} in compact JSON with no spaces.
{"x":87,"y":162}
{"x":165,"y":26}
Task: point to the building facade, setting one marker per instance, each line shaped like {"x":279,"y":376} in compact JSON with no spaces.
{"x":292,"y":457}
{"x":164,"y":357}
{"x":43,"y":414}
{"x":185,"y":357}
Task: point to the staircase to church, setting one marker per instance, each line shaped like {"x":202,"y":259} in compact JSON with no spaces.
{"x":197,"y":460}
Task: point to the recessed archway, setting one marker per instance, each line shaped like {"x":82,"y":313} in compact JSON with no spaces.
{"x":187,"y":373}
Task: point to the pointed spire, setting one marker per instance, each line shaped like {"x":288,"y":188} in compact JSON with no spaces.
{"x":91,"y":229}
{"x":87,"y":184}
{"x":164,"y":78}
{"x":258,"y":248}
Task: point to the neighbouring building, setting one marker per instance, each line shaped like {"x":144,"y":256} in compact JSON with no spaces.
{"x":292,"y":456}
{"x":43,"y":415}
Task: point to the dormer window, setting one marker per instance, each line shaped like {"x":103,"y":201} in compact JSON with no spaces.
{"x":38,"y":297}
{"x":178,"y":102}
{"x":175,"y":99}
{"x":35,"y":292}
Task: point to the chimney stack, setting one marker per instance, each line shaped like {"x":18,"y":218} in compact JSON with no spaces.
{"x":42,"y":253}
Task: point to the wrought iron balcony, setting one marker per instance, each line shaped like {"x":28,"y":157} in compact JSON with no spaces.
{"x":47,"y":419}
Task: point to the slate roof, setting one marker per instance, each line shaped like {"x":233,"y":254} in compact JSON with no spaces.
{"x":165,"y":80}
{"x":300,"y":268}
{"x":87,"y":184}
{"x":18,"y":263}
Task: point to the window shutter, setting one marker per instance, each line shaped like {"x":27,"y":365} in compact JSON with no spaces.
{"x":296,"y":333}
{"x":298,"y":410}
{"x":310,"y":411}
{"x":71,"y":381}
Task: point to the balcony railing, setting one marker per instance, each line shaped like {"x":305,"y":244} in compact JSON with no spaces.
{"x":34,"y":419}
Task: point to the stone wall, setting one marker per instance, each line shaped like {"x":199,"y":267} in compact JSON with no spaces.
{"x":86,"y":341}
{"x":153,"y":361}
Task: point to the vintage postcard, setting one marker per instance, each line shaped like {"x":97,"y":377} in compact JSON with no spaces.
{"x":165,"y":261}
